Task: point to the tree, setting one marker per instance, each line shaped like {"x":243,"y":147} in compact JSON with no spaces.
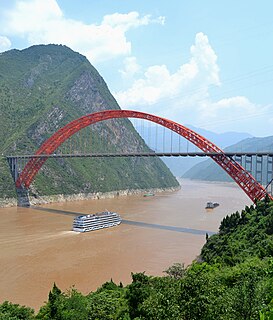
{"x":138,"y":291}
{"x":64,"y":306}
{"x":200,"y":291}
{"x":163,"y":300}
{"x":246,"y":297}
{"x":108,"y":302}
{"x":176,"y":271}
{"x":10,"y":311}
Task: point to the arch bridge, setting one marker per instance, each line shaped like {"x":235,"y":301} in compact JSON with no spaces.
{"x":234,"y":169}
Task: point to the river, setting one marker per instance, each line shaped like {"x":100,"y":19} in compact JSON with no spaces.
{"x":38,"y":248}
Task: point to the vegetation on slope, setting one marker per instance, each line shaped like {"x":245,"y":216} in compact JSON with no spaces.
{"x":242,"y":236}
{"x":6,"y":182}
{"x":233,"y":280}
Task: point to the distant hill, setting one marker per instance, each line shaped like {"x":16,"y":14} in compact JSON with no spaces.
{"x":44,"y":87}
{"x":208,"y":170}
{"x":180,"y":165}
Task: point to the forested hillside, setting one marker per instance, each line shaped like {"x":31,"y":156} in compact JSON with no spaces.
{"x":44,"y":87}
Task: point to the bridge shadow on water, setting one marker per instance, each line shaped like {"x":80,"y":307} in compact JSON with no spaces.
{"x":134,"y":223}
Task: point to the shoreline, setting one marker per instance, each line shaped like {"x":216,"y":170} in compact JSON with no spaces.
{"x":59,"y":198}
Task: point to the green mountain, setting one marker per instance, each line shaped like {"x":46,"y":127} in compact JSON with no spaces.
{"x":208,"y":170}
{"x":44,"y":87}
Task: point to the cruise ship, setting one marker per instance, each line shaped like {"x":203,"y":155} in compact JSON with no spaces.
{"x":91,"y":222}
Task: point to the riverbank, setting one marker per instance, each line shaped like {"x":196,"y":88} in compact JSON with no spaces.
{"x":59,"y":198}
{"x":8,"y":202}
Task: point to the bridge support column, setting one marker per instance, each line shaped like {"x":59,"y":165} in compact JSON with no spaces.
{"x":259,"y":169}
{"x":269,"y":174}
{"x":239,"y":159}
{"x":13,"y":165}
{"x":22,"y":193}
{"x":248,"y":164}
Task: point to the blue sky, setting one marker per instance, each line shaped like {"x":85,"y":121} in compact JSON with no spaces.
{"x":205,"y":63}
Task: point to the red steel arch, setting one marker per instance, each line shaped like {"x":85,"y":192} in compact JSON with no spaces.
{"x":244,"y":179}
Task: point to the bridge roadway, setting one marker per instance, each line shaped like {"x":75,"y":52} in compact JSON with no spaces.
{"x":141,"y":154}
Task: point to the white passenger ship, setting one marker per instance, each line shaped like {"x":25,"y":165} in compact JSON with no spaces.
{"x":96,"y":221}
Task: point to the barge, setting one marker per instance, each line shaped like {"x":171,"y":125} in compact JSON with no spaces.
{"x":211,"y":205}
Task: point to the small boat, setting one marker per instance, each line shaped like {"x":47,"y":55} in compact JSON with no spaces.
{"x":148,"y":195}
{"x":211,"y":205}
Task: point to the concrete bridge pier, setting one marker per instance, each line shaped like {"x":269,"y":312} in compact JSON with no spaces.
{"x":22,"y":197}
{"x":22,"y":193}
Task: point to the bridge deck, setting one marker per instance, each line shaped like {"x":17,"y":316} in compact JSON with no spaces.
{"x":141,"y":154}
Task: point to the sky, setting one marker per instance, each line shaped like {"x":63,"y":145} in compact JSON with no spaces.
{"x":204,"y":63}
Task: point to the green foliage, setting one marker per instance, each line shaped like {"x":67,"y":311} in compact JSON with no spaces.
{"x":267,"y":312}
{"x":242,"y":236}
{"x":138,"y":291}
{"x":7,"y":189}
{"x":10,"y":311}
{"x":108,"y":302}
{"x":176,"y":271}
{"x":200,"y":292}
{"x":64,"y":306}
{"x":153,"y":297}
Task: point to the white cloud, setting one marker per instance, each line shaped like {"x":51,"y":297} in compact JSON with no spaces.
{"x":227,"y":106}
{"x":206,"y":59}
{"x":40,"y":21}
{"x":236,"y":114}
{"x":30,"y":17}
{"x":226,"y":109}
{"x":158,"y":83}
{"x":130,"y":20}
{"x":5,"y":43}
{"x":131,"y":68}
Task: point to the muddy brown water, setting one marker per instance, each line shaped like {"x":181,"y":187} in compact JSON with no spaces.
{"x":38,"y":248}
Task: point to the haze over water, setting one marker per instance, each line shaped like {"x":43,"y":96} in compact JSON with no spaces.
{"x":38,"y":248}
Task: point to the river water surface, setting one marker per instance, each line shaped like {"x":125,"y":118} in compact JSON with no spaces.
{"x":37,"y":246}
